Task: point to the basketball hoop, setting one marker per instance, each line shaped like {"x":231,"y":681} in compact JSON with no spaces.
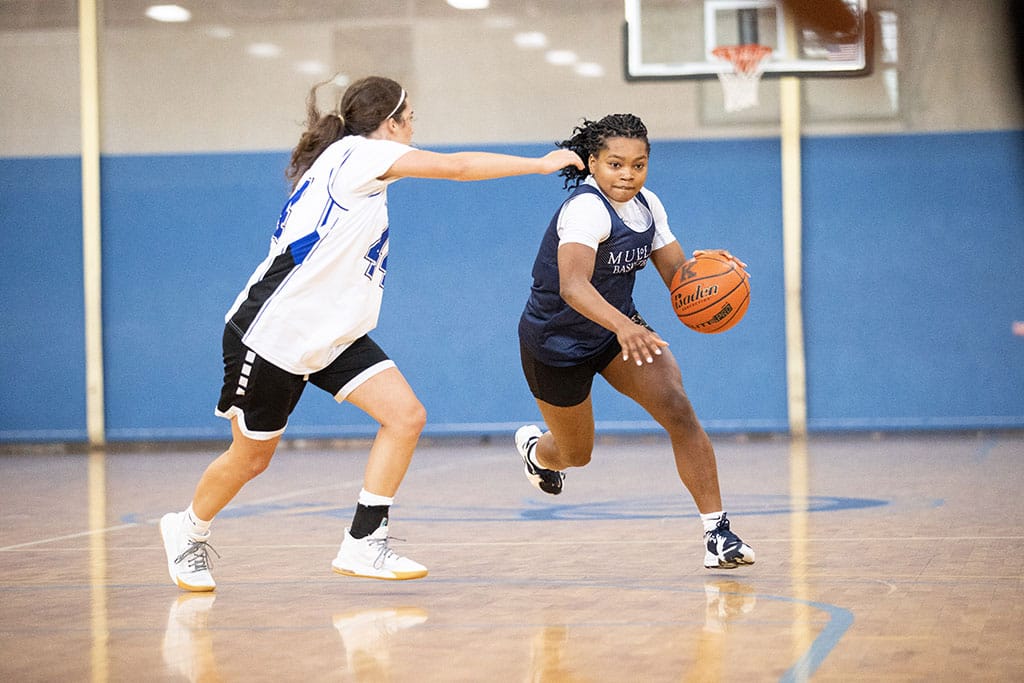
{"x":740,"y":85}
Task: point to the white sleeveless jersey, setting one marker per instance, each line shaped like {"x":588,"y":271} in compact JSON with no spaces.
{"x":321,"y":285}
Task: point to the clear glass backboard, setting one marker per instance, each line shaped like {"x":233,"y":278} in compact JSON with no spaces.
{"x":676,"y":39}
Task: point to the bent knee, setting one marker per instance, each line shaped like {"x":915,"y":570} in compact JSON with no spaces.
{"x":258,"y":466}
{"x":679,"y":416}
{"x":410,"y":419}
{"x":252,"y":463}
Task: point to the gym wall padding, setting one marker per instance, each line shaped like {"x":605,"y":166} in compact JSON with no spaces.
{"x":913,"y":259}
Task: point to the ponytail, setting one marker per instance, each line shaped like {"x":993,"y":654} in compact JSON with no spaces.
{"x":322,"y":130}
{"x":365,"y":105}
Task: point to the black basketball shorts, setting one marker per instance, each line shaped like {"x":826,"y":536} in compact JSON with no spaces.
{"x":567,"y":386}
{"x":262,"y":395}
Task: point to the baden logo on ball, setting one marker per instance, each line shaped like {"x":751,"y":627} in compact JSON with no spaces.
{"x":710,"y":293}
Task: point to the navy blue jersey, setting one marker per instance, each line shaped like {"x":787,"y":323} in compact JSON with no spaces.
{"x":552,"y":331}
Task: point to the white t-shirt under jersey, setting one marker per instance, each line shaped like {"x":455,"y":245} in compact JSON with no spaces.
{"x":328,"y":258}
{"x":585,"y":219}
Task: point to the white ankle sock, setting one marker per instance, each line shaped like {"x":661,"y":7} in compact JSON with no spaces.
{"x":710,"y":520}
{"x":369,"y":499}
{"x":196,"y":528}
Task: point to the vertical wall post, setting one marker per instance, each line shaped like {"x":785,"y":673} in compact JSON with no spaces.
{"x":88,"y":30}
{"x":792,"y":239}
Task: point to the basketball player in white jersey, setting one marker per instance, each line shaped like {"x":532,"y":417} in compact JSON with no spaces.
{"x":304,"y":315}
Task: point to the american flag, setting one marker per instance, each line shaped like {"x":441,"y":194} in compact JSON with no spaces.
{"x":841,"y":52}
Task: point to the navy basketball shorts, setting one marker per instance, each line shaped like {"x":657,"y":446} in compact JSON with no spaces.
{"x":262,"y":396}
{"x":567,"y":386}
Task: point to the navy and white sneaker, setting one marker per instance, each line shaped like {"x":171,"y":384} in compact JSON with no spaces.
{"x":725,"y":550}
{"x":548,"y":481}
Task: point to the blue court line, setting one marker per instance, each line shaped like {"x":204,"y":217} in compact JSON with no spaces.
{"x":840,"y":621}
{"x":664,"y":507}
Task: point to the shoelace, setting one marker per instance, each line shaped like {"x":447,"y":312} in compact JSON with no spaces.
{"x":198,"y":554}
{"x":383,"y":552}
{"x":721,"y":531}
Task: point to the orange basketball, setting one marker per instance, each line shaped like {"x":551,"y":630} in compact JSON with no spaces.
{"x":710,"y":293}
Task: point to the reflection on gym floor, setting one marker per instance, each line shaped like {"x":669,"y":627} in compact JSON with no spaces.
{"x":872,"y":563}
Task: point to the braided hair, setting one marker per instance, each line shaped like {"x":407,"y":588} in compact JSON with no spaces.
{"x":590,"y":137}
{"x":366,"y":104}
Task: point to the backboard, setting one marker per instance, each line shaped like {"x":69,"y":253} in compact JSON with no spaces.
{"x":675,"y":39}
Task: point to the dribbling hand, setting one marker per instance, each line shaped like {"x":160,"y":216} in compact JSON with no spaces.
{"x":723,"y":253}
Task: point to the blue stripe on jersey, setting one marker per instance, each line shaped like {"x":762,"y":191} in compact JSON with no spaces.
{"x":301,"y":247}
{"x":287,"y":210}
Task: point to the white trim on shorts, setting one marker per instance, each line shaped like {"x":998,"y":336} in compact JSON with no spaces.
{"x":236,"y":412}
{"x":361,"y":378}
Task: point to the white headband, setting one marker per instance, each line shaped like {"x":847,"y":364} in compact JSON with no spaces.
{"x":397,"y":106}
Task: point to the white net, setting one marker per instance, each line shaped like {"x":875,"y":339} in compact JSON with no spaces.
{"x":740,"y":84}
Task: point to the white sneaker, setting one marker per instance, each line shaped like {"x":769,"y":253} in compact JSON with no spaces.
{"x":371,"y":558}
{"x":188,"y":559}
{"x":548,"y":481}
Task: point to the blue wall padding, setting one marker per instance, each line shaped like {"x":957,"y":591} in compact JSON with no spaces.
{"x":912,"y":280}
{"x":914,"y":275}
{"x":42,"y":336}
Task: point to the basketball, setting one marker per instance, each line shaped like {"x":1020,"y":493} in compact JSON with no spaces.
{"x":710,"y":293}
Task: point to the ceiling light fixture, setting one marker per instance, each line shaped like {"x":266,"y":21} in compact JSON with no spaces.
{"x":313,"y":67}
{"x":560,"y":57}
{"x":168,"y":13}
{"x":470,"y":4}
{"x":589,"y":69}
{"x":530,"y":40}
{"x":263,"y":50}
{"x":499,"y":21}
{"x":220,"y":32}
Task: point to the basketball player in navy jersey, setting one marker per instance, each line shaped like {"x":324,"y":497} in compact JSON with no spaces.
{"x":580,"y":321}
{"x":304,"y":315}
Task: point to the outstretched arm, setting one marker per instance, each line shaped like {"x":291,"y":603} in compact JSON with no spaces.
{"x":477,"y":165}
